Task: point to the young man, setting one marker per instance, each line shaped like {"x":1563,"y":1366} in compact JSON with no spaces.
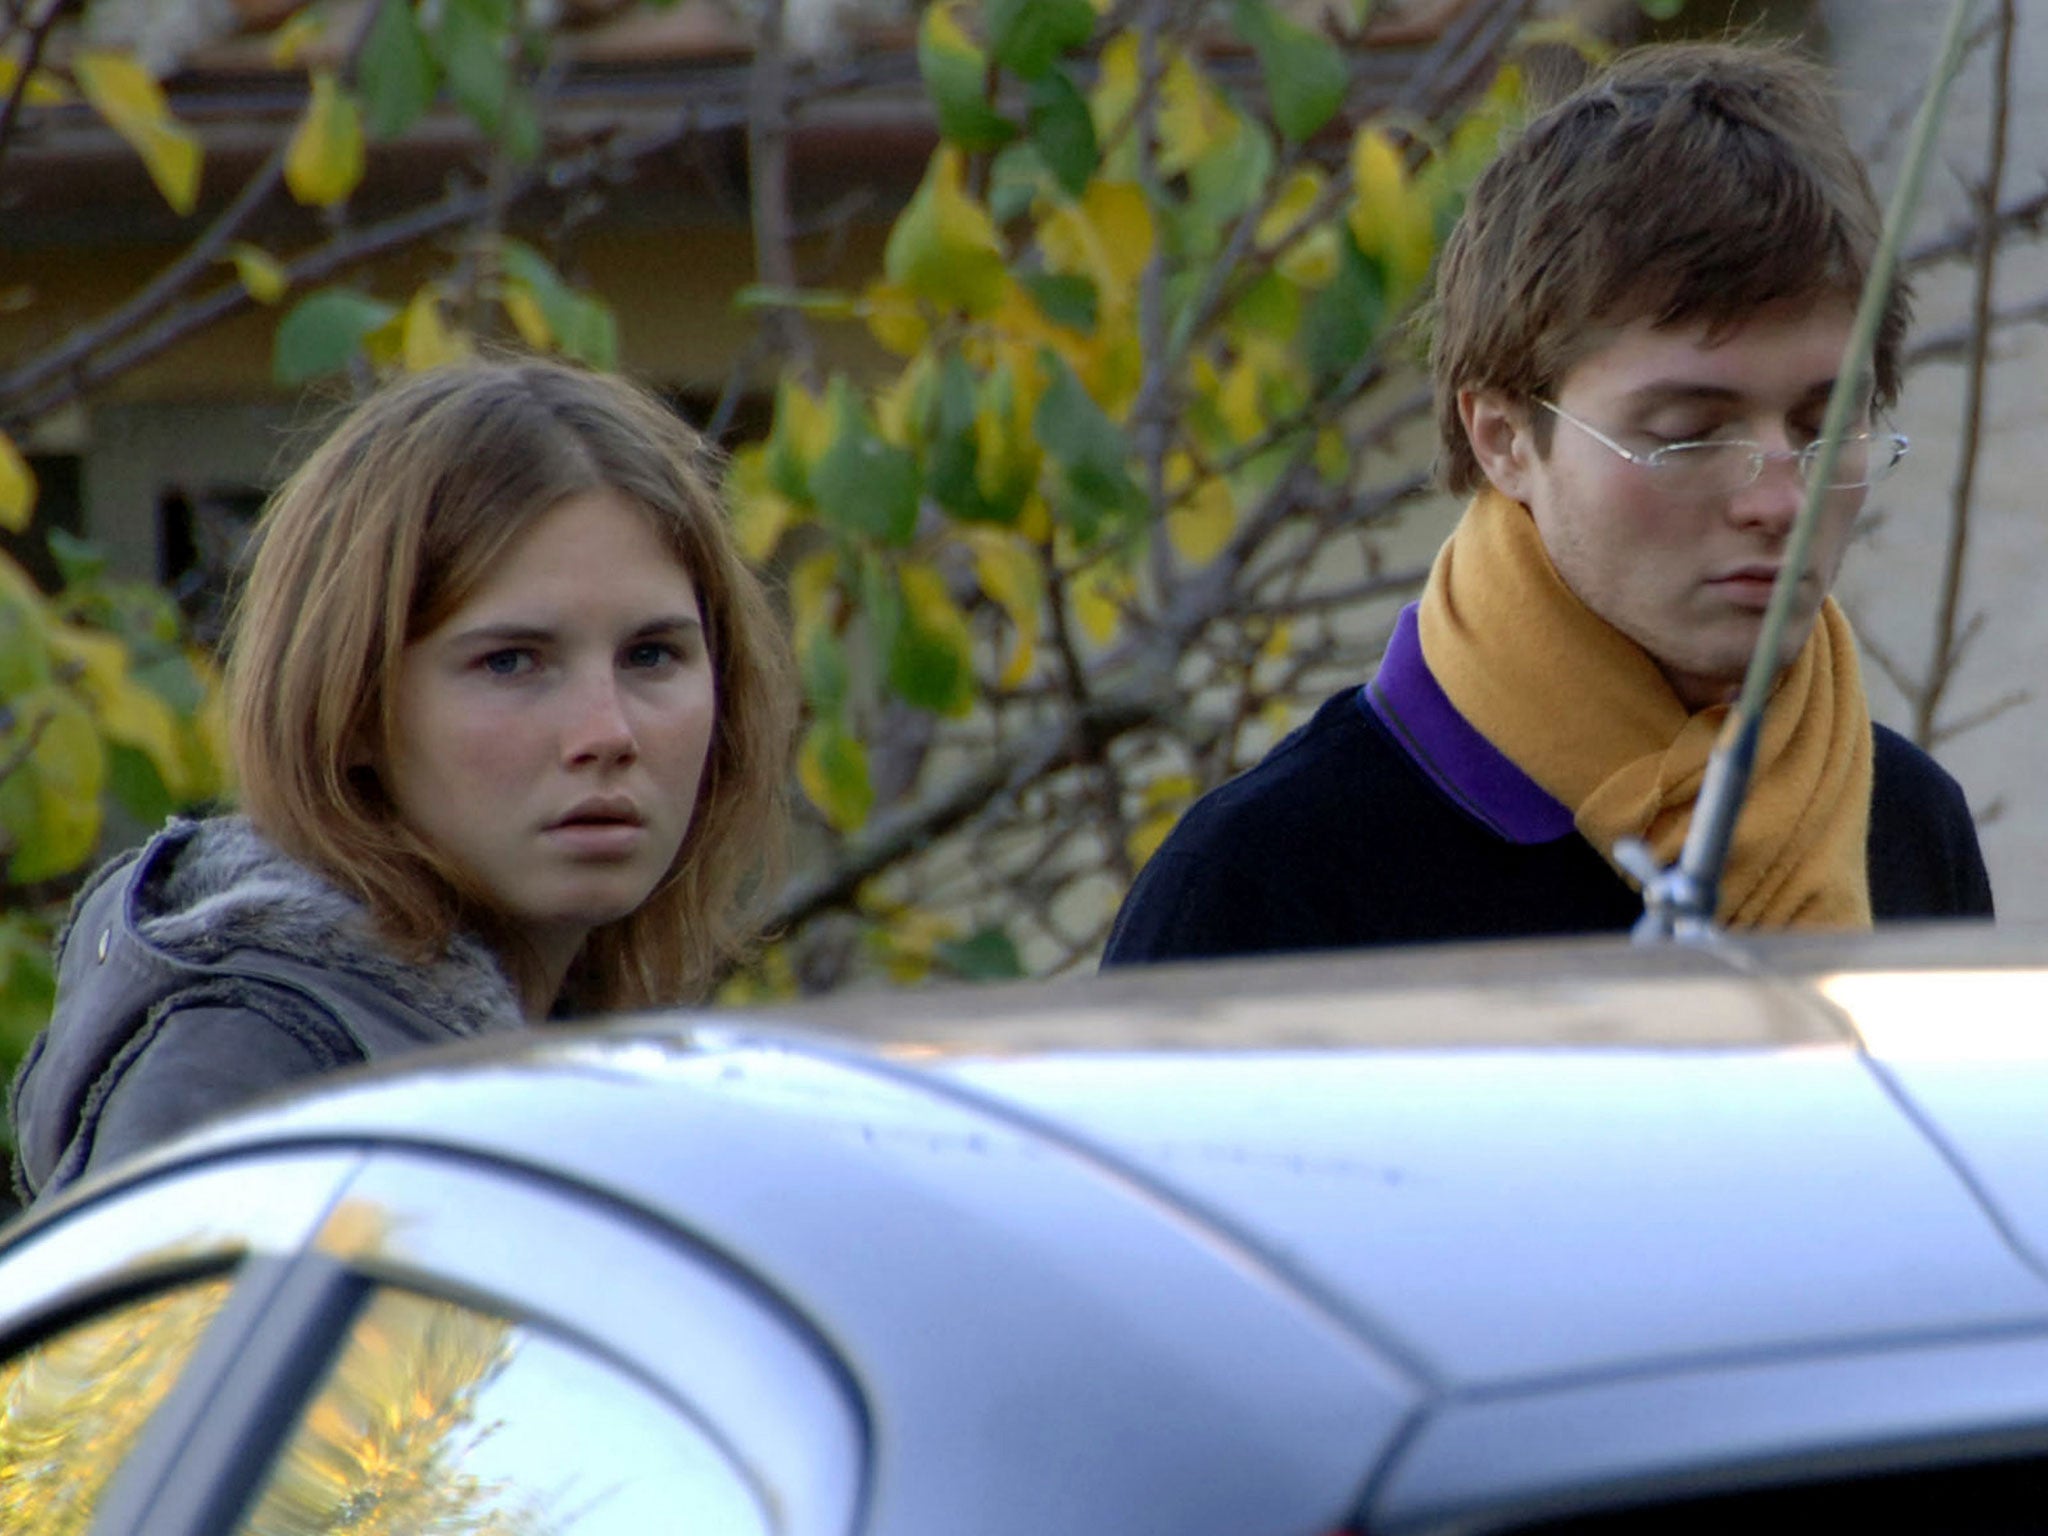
{"x":1639,"y":319}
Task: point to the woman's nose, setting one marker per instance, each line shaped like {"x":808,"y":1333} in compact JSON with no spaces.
{"x":598,"y":728}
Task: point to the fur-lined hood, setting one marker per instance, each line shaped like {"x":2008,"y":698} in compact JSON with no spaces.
{"x":283,"y":970}
{"x":230,"y":888}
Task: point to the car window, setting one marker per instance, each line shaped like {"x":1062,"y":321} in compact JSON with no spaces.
{"x":436,"y":1417}
{"x":72,"y":1405}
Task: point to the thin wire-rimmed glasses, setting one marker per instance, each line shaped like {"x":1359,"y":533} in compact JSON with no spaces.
{"x":1721,"y":467}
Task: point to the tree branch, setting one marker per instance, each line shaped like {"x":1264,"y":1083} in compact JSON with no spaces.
{"x":1941,"y":664}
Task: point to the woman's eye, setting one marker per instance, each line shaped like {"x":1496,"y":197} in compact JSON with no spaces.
{"x":652,"y":653}
{"x":507,"y":663}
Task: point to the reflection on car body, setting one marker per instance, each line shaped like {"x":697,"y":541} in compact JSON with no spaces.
{"x":1474,"y":1238}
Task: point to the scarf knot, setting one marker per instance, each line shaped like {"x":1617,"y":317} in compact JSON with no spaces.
{"x":1582,"y":710}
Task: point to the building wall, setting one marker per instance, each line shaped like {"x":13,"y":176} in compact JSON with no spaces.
{"x":1892,"y":579}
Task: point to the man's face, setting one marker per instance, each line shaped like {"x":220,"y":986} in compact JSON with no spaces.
{"x":1687,"y":577}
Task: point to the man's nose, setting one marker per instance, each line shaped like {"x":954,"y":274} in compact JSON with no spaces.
{"x":1772,"y":500}
{"x":599,"y":728}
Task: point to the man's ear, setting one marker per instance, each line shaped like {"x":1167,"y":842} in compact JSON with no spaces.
{"x":1498,"y":430}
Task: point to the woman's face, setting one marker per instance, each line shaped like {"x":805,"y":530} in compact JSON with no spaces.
{"x":551,"y":734}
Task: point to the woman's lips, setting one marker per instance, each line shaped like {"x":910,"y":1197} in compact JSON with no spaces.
{"x":597,"y":839}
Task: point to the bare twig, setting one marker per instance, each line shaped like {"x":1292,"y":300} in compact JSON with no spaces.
{"x":768,"y":121}
{"x":1942,"y":664}
{"x":37,"y":23}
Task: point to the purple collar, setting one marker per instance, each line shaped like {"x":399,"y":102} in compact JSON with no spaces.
{"x":1476,"y":774}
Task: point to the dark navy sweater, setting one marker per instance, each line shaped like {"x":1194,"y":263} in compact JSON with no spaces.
{"x":1381,"y":821}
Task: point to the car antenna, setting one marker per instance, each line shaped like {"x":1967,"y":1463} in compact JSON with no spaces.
{"x":1679,"y":902}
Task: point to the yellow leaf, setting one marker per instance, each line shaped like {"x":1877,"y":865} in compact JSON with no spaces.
{"x":1111,"y":102}
{"x":810,"y":421}
{"x":1309,"y":258}
{"x":1390,"y":216}
{"x":760,"y":513}
{"x":133,"y":104}
{"x":897,"y":407}
{"x":528,"y":318}
{"x":944,"y":247}
{"x":1332,"y":455}
{"x":1161,"y":802}
{"x":1007,"y":454}
{"x":126,"y":711}
{"x":1106,"y":236}
{"x":261,"y":273}
{"x":1201,"y":519}
{"x":17,"y":487}
{"x":929,"y":604}
{"x":1100,"y":593}
{"x":427,"y":340}
{"x":66,"y":774}
{"x":813,"y":597}
{"x":386,"y":344}
{"x":910,"y":942}
{"x":833,"y":769}
{"x":325,"y":160}
{"x":894,"y":318}
{"x":1009,"y":571}
{"x":289,"y":43}
{"x":1278,"y":644}
{"x":1194,"y":119}
{"x":44,"y":88}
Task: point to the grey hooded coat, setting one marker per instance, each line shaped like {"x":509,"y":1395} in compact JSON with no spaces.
{"x":204,"y":969}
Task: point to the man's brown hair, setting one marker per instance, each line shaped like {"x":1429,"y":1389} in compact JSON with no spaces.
{"x":388,"y":528}
{"x":1686,"y":183}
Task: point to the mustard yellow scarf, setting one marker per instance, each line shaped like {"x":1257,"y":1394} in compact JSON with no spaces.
{"x":1584,"y":712}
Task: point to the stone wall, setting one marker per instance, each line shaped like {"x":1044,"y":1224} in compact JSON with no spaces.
{"x":1891,"y":581}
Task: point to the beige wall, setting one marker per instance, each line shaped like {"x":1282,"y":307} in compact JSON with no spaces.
{"x":1891,"y":581}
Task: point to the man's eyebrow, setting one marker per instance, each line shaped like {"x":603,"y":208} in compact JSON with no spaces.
{"x":1683,"y":391}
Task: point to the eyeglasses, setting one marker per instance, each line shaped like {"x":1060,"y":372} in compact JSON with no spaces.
{"x":1724,"y":466}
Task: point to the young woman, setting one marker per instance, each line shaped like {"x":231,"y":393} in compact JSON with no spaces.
{"x":510,"y":721}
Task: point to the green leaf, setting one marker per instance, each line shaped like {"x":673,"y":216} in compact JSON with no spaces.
{"x":1305,"y":76}
{"x":931,"y":657}
{"x":1016,"y":176}
{"x":170,"y":677}
{"x":28,"y":983}
{"x":24,"y":652}
{"x":863,"y":484}
{"x":1068,"y":299}
{"x":833,"y":769}
{"x":1028,"y":35}
{"x":944,"y":246}
{"x":1225,"y":183}
{"x":322,"y":332}
{"x":136,"y":786}
{"x":1269,"y":306}
{"x":50,"y":804}
{"x":1062,"y":130}
{"x":396,"y":74}
{"x":953,"y":457}
{"x":956,"y":78}
{"x":470,"y":43}
{"x":826,"y":674}
{"x":78,"y":560}
{"x":1090,"y":450}
{"x":988,"y":954}
{"x":1349,"y":314}
{"x":1661,"y":10}
{"x":580,"y":326}
{"x":520,"y":131}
